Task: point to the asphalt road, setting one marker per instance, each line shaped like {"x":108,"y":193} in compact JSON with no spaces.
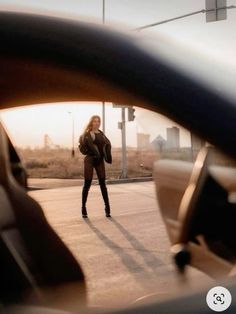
{"x":124,"y":257}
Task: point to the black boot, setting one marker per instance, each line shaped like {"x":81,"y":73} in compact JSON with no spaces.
{"x":86,"y":187}
{"x":84,"y":212}
{"x":105,"y":197}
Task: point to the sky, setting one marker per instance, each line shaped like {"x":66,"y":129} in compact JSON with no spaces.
{"x":217,"y":40}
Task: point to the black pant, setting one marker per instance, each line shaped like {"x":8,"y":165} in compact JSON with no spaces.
{"x":89,"y":165}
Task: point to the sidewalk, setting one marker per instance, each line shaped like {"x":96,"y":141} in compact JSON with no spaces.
{"x":44,"y":183}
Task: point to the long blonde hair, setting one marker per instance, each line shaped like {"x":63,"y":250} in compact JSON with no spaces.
{"x":88,"y":127}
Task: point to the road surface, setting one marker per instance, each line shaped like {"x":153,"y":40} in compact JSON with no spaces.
{"x":124,"y":257}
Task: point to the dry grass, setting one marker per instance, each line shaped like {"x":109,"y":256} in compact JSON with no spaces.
{"x":58,"y":163}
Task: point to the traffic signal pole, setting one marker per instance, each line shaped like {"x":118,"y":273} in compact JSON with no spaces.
{"x":122,"y":127}
{"x":185,"y":15}
{"x":123,"y":134}
{"x":215,"y":10}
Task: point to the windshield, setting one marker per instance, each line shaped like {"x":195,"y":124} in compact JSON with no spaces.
{"x":128,"y":257}
{"x":110,"y":178}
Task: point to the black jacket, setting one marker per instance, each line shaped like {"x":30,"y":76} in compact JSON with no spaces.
{"x":87,"y":147}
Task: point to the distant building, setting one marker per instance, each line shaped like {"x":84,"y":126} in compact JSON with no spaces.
{"x":172,"y":138}
{"x":159,"y":143}
{"x":48,"y":143}
{"x":143,"y":141}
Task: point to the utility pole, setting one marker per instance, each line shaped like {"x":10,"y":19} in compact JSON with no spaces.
{"x":103,"y":103}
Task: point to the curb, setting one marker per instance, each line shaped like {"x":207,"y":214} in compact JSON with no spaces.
{"x":130,"y":180}
{"x":115,"y":181}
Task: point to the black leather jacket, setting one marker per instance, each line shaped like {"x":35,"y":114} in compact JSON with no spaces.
{"x":87,"y":147}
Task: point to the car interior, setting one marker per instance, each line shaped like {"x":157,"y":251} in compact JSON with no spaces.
{"x":196,"y":199}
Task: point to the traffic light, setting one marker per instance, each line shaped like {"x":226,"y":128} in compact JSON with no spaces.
{"x":216,"y":10}
{"x":131,"y":115}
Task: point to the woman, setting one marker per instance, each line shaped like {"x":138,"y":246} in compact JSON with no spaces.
{"x":95,"y":145}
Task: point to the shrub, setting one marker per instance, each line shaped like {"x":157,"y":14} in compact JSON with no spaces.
{"x":32,"y":164}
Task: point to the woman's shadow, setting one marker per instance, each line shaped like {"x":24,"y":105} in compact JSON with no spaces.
{"x":136,"y":269}
{"x":149,"y":258}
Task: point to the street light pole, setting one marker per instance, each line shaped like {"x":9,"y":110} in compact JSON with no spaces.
{"x":103,"y":103}
{"x":73,"y":135}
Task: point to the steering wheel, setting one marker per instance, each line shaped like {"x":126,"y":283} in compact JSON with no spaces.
{"x":188,"y":206}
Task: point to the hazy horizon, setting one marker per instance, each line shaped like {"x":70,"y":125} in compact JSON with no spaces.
{"x":27,"y":125}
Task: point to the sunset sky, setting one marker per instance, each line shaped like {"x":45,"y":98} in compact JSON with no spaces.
{"x":27,"y":126}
